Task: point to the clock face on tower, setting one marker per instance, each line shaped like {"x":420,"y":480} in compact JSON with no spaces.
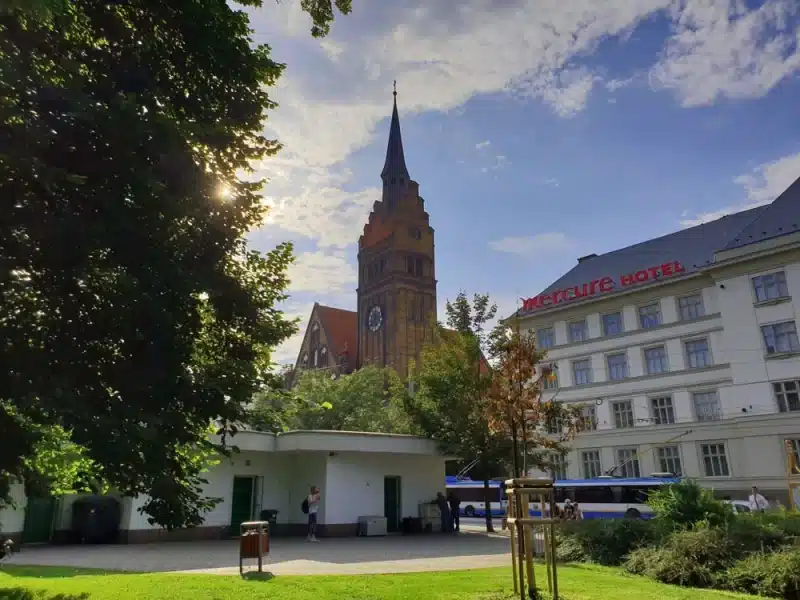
{"x":375,"y":318}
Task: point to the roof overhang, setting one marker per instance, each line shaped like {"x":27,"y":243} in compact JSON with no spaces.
{"x":335,"y":441}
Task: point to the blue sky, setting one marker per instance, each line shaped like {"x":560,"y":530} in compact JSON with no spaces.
{"x":539,"y":130}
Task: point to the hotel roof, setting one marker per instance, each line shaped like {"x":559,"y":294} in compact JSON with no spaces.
{"x":694,"y":247}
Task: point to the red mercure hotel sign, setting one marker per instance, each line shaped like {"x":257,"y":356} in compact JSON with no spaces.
{"x":602,"y":286}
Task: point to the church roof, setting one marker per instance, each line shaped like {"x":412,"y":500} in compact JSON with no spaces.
{"x":341,"y":329}
{"x":395,"y":165}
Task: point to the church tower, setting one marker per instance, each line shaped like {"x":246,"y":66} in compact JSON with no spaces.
{"x":396,"y":269}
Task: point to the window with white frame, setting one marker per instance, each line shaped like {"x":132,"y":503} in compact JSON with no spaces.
{"x":669,"y":460}
{"x":545,"y":337}
{"x":612,"y":323}
{"x":663,"y":411}
{"x":549,"y":377}
{"x":558,"y":466}
{"x":655,"y":360}
{"x":706,"y":406}
{"x":650,"y":315}
{"x":780,"y":337}
{"x":691,"y":307}
{"x":715,"y":460}
{"x":555,"y":425}
{"x":787,"y":393}
{"x":770,"y":287}
{"x":698,"y":354}
{"x":591,"y":464}
{"x":582,"y":371}
{"x":589,"y":418}
{"x":623,"y":414}
{"x":617,"y":366}
{"x":628,"y":462}
{"x":578,"y":331}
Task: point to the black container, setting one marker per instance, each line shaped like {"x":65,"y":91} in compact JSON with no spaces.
{"x":96,"y":520}
{"x":270,"y":515}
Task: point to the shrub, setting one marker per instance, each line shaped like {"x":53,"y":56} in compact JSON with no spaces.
{"x":690,"y":558}
{"x":606,"y":542}
{"x":684,"y":504}
{"x":755,"y":533}
{"x":776,"y":574}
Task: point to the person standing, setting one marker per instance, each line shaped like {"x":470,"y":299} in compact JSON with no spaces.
{"x":444,"y":511}
{"x":757,"y":502}
{"x":313,"y":510}
{"x":454,"y":503}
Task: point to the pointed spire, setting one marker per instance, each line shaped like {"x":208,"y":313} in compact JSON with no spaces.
{"x":395,"y":165}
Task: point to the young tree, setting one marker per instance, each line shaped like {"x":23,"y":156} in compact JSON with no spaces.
{"x":450,"y":403}
{"x":132,"y":312}
{"x":538,"y":428}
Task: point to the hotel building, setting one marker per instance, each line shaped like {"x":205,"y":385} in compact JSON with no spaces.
{"x":684,"y":352}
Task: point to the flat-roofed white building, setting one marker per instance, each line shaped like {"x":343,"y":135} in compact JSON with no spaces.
{"x":359,"y":475}
{"x":684,"y":351}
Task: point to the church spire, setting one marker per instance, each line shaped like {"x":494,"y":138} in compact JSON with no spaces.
{"x":395,"y":165}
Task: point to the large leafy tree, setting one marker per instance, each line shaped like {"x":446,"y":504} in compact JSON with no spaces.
{"x":452,"y":389}
{"x":370,"y":399}
{"x":132,"y":313}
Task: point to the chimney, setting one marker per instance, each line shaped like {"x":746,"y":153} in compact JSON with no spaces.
{"x":587,"y":257}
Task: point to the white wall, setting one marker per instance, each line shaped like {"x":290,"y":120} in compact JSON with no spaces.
{"x":12,"y":520}
{"x":271,"y":467}
{"x":355,"y":484}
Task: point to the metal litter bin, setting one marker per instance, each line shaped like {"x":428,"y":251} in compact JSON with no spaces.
{"x":253,"y":543}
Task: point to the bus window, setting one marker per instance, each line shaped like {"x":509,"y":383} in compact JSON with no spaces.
{"x":562,"y":493}
{"x":600,"y":494}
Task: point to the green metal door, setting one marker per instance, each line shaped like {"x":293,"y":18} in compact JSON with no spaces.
{"x":38,"y":520}
{"x":391,"y":503}
{"x":241,"y":502}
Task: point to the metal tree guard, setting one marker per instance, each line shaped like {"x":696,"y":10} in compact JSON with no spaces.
{"x":523,"y":528}
{"x":792,"y":476}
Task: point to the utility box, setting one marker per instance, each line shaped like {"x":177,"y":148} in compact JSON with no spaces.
{"x":370,"y":526}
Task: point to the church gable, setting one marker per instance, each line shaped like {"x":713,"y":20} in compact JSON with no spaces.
{"x":329,"y":341}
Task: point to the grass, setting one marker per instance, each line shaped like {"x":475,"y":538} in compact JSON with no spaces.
{"x":577,"y":582}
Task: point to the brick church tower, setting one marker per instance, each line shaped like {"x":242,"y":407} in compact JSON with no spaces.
{"x":397,"y":276}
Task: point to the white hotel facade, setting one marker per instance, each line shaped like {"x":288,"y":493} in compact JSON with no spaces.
{"x":684,"y":351}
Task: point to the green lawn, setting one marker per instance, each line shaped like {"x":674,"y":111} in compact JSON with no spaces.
{"x":578,"y":582}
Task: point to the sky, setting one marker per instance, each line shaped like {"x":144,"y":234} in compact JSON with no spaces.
{"x":539,"y":131}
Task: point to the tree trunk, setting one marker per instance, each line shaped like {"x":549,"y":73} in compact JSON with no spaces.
{"x":514,"y":447}
{"x":524,"y":449}
{"x":487,"y":493}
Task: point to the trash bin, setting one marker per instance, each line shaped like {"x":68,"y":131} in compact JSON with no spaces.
{"x":253,"y":542}
{"x":270,"y":515}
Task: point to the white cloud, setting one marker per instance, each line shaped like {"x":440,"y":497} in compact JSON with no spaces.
{"x":763,"y":185}
{"x":482,"y":144}
{"x":542,"y":243}
{"x":720,"y":49}
{"x":552,"y":182}
{"x":500,"y":162}
{"x":323,"y":273}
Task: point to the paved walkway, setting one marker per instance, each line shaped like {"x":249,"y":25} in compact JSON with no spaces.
{"x":289,"y":556}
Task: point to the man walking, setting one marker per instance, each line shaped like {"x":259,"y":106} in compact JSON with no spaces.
{"x":313,"y":508}
{"x":757,"y":502}
{"x":444,"y":511}
{"x":454,"y":503}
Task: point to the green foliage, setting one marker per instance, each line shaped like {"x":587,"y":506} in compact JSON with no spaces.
{"x":604,"y":541}
{"x":370,"y":399}
{"x":756,"y":533}
{"x":685,"y":504}
{"x":690,"y":558}
{"x":133,"y":312}
{"x":775,"y":575}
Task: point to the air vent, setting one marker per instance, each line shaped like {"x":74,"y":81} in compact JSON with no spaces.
{"x":587,"y":257}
